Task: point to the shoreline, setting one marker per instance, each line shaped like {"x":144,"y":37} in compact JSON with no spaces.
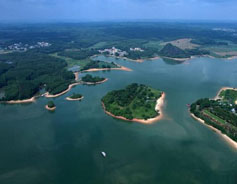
{"x":138,"y":60}
{"x":76,"y":76}
{"x":217,"y":97}
{"x":76,"y":99}
{"x":94,"y":83}
{"x":50,"y":109}
{"x":159,"y":105}
{"x":179,"y":59}
{"x":123,"y":68}
{"x":30,"y":100}
{"x":226,"y":138}
{"x":47,"y":95}
{"x":176,"y":59}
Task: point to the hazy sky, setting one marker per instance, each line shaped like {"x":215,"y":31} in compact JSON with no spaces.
{"x":28,"y":10}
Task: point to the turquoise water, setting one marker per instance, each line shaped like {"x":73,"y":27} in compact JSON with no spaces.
{"x":64,"y":146}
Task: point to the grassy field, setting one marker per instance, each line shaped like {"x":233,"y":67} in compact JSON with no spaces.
{"x":98,"y":45}
{"x":229,"y":95}
{"x":154,"y":44}
{"x":208,"y":113}
{"x":73,"y":62}
{"x":184,"y":43}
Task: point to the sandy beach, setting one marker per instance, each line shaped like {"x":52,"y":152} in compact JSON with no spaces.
{"x":94,"y":83}
{"x":50,"y":109}
{"x":229,"y":140}
{"x":76,"y":99}
{"x":47,"y":95}
{"x":178,"y":59}
{"x":139,"y":60}
{"x":159,"y":105}
{"x":76,"y":76}
{"x":21,"y":101}
{"x":106,"y":69}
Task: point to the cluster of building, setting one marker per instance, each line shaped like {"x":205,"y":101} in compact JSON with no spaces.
{"x":230,"y":106}
{"x":136,"y":49}
{"x":117,"y":52}
{"x":224,"y":29}
{"x":24,"y":47}
{"x":114,"y":52}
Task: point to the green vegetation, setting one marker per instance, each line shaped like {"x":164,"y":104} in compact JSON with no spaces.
{"x":99,"y":64}
{"x":206,"y":41}
{"x":220,"y":114}
{"x":146,"y":54}
{"x":91,"y":79}
{"x":135,"y":101}
{"x":229,"y":95}
{"x":72,"y":62}
{"x":75,"y":96}
{"x":174,"y":52}
{"x":24,"y":74}
{"x":78,"y":54}
{"x":51,"y":104}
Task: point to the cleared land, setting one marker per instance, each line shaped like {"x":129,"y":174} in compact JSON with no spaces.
{"x":184,"y":43}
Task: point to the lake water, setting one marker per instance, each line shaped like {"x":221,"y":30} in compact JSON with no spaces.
{"x":64,"y":146}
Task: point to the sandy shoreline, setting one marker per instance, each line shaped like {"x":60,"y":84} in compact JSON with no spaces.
{"x":94,"y":83}
{"x":50,"y":109}
{"x":138,"y":60}
{"x":217,"y":97}
{"x":76,"y":76}
{"x":47,"y":95}
{"x":227,"y":139}
{"x":76,"y":99}
{"x":178,"y":59}
{"x":159,"y":105}
{"x":31,"y":100}
{"x":106,"y":69}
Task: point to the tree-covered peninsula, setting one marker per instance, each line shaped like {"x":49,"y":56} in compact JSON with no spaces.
{"x":220,"y":112}
{"x":136,"y":102}
{"x":23,"y":74}
{"x":172,"y":51}
{"x":90,"y":79}
{"x":99,"y":65}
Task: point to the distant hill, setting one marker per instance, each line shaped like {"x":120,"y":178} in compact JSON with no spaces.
{"x":172,"y":51}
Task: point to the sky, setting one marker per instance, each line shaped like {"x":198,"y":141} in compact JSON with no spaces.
{"x":102,"y":10}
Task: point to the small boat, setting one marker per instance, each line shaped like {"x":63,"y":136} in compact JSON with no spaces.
{"x":188,"y":105}
{"x":103,"y":154}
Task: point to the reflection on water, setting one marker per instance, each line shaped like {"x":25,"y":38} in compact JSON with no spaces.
{"x":65,"y":146}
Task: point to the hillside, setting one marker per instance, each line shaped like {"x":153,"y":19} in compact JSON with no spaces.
{"x":172,"y":51}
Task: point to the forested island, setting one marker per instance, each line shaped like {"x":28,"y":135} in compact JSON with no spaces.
{"x":89,"y":79}
{"x":99,"y":65}
{"x":50,"y":106}
{"x":137,"y":102}
{"x":219,"y":113}
{"x":75,"y":97}
{"x":39,"y":57}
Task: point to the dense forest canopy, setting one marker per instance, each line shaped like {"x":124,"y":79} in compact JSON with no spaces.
{"x":25,"y":73}
{"x":90,"y":78}
{"x":220,"y":113}
{"x":135,"y":101}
